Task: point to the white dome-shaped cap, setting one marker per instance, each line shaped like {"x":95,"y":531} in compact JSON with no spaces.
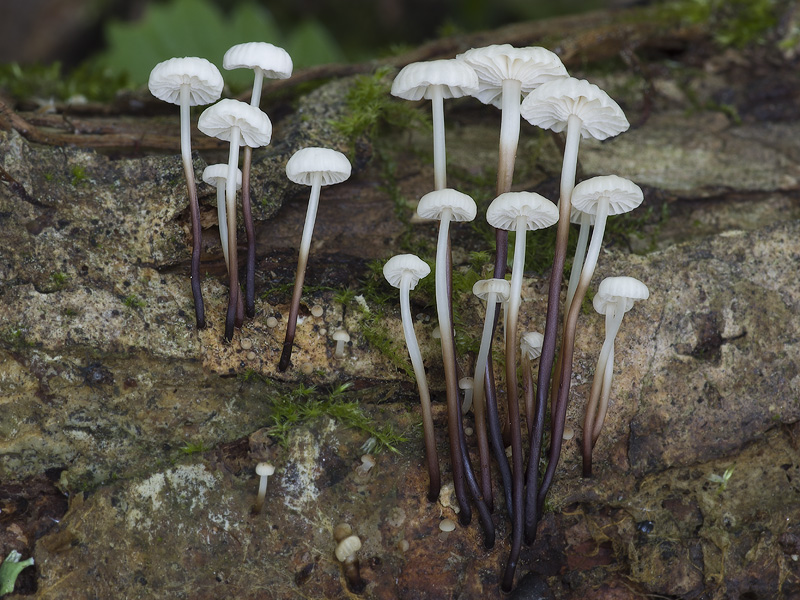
{"x":501,"y":288}
{"x":456,"y":77}
{"x":274,"y":62}
{"x":217,"y":175}
{"x":531,"y":66}
{"x":347,"y":547}
{"x":432,"y":204}
{"x":403,"y":265}
{"x":622,"y":194}
{"x":550,"y":105}
{"x":575,"y":216}
{"x":203,"y":78}
{"x":264,"y":469}
{"x":255,"y":128}
{"x":537,"y":211}
{"x":341,"y":335}
{"x":619,"y":292}
{"x":306,"y":163}
{"x":530,"y":344}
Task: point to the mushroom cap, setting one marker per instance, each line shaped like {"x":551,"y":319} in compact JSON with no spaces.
{"x":255,"y":128}
{"x":530,"y":344}
{"x":550,"y":105}
{"x":217,"y":175}
{"x":619,"y":291}
{"x":531,"y":66}
{"x":575,"y":216}
{"x":500,"y":287}
{"x":306,"y":163}
{"x":274,"y":62}
{"x":537,"y":211}
{"x":347,"y":547}
{"x":622,"y":194}
{"x":203,"y":78}
{"x":433,"y":204}
{"x":340,"y":335}
{"x":414,"y":81}
{"x":264,"y":469}
{"x":466,"y":383}
{"x":405,"y":264}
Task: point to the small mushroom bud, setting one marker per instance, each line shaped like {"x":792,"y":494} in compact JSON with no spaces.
{"x":346,"y":554}
{"x":341,"y":337}
{"x":264,"y":470}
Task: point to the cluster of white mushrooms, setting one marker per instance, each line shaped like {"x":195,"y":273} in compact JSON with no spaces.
{"x":192,"y":81}
{"x":531,"y":83}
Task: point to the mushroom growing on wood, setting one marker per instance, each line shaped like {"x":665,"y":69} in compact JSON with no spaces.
{"x":615,"y":296}
{"x":269,"y":61}
{"x":404,"y":272}
{"x":314,"y":167}
{"x":241,"y":125}
{"x":520,"y":212}
{"x":188,"y":81}
{"x":583,"y":110}
{"x":436,"y":81}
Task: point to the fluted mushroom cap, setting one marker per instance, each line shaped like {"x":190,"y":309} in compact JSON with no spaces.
{"x":623,"y":195}
{"x":403,"y":265}
{"x":306,"y":163}
{"x":550,"y":105}
{"x":264,"y":469}
{"x":537,"y":211}
{"x":615,"y":292}
{"x":255,"y":128}
{"x":531,"y":66}
{"x":500,"y":287}
{"x":203,"y":78}
{"x":347,"y":547}
{"x":432,"y":204}
{"x":414,"y":81}
{"x":575,"y":216}
{"x":218,"y":174}
{"x":274,"y":62}
{"x":530,"y":344}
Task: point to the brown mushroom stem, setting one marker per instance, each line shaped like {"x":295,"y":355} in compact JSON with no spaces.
{"x":527,"y":386}
{"x":247,"y":214}
{"x":232,"y":317}
{"x":194,"y":208}
{"x":568,"y":169}
{"x":496,"y":436}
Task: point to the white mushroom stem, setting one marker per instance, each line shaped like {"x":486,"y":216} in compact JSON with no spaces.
{"x":593,"y":253}
{"x":230,"y":202}
{"x":422,"y":385}
{"x":602,"y":410}
{"x":509,"y":134}
{"x":186,"y":137}
{"x":258,"y":80}
{"x":439,"y":154}
{"x":222,"y":219}
{"x":262,"y":490}
{"x":580,"y":255}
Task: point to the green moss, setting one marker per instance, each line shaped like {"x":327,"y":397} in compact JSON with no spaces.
{"x":50,"y":81}
{"x":133,"y":301}
{"x":190,"y":448}
{"x":305,"y":403}
{"x":58,"y":280}
{"x":78,"y":175}
{"x":733,"y":22}
{"x":13,"y":338}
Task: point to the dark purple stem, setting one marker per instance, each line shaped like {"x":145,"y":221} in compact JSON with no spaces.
{"x":250,"y":266}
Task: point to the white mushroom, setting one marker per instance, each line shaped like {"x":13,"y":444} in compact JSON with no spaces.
{"x":404,"y":272}
{"x":436,"y":81}
{"x":314,"y":167}
{"x":188,"y":81}
{"x":341,"y":337}
{"x":264,"y":471}
{"x":216,"y":175}
{"x":530,"y":346}
{"x":615,"y":296}
{"x":245,"y":125}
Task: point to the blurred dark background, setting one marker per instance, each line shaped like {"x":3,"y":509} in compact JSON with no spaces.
{"x":125,"y":34}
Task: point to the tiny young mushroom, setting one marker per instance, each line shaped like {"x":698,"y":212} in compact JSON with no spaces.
{"x":530,"y":346}
{"x":314,"y":167}
{"x":216,"y":175}
{"x":601,"y":196}
{"x":341,"y":337}
{"x":346,"y":554}
{"x":615,"y":296}
{"x":494,"y":291}
{"x":520,"y":212}
{"x":436,"y":80}
{"x":583,"y":110}
{"x":275,"y":63}
{"x":188,"y":81}
{"x":465,"y":384}
{"x":240,"y":124}
{"x":404,"y":272}
{"x":263,"y":470}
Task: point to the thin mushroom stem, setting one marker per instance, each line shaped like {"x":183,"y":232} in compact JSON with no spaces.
{"x":484,"y":514}
{"x":422,"y":384}
{"x":496,"y":437}
{"x":247,"y":215}
{"x":512,"y":312}
{"x":569,"y":167}
{"x":439,"y":154}
{"x":580,"y":255}
{"x":194,"y":206}
{"x":302,"y":261}
{"x":230,"y":200}
{"x":602,"y":410}
{"x":222,"y":220}
{"x":449,"y":360}
{"x":527,"y":386}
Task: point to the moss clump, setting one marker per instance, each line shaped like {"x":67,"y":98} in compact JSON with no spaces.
{"x":133,"y":301}
{"x":734,"y":22}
